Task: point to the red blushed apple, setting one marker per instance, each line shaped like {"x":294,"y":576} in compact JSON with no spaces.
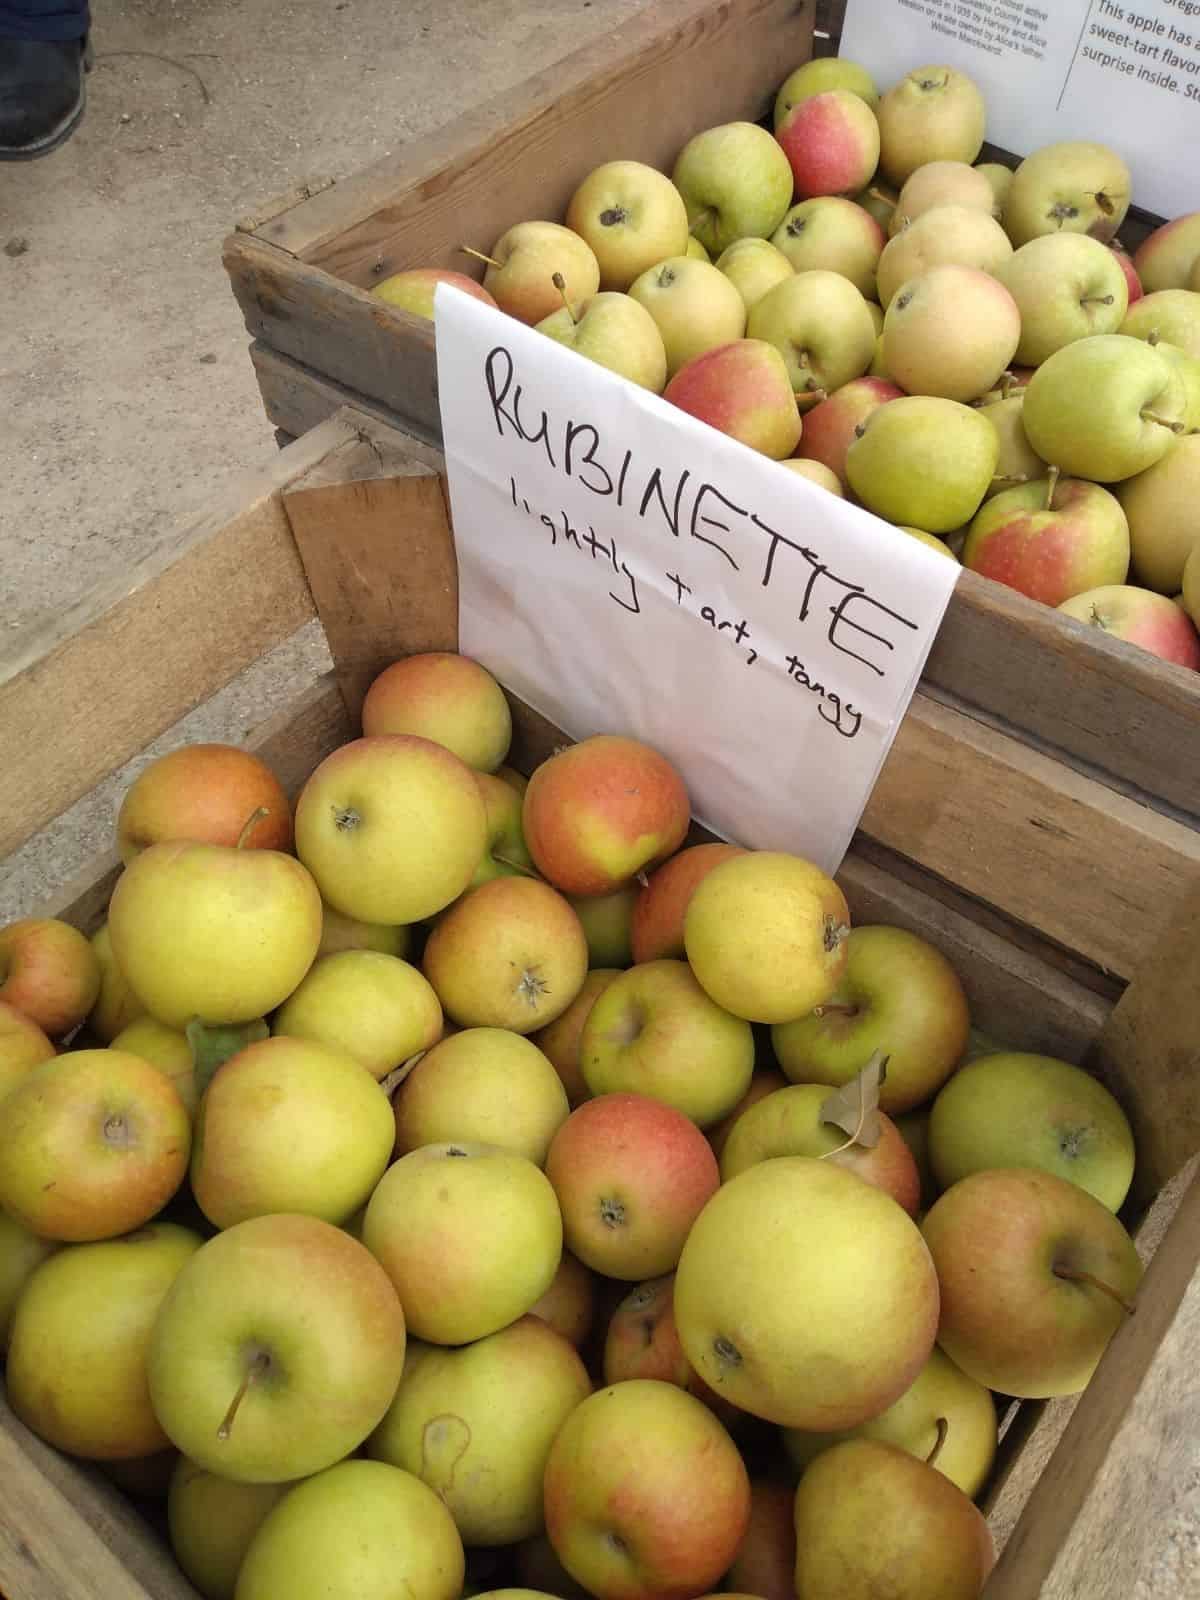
{"x":645,"y":1494}
{"x":643,"y":1342}
{"x":444,"y":697}
{"x":1132,"y":282}
{"x":600,"y":811}
{"x":569,"y":1304}
{"x":631,"y":1176}
{"x":413,"y":290}
{"x":766,"y":1563}
{"x":1141,"y":617}
{"x":656,"y":930}
{"x":204,"y":793}
{"x":743,"y":390}
{"x":48,"y":971}
{"x":1050,"y":539}
{"x":23,"y":1046}
{"x":829,"y":427}
{"x":560,"y":1041}
{"x":832,"y":143}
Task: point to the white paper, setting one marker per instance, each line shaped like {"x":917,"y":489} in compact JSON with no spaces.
{"x":1126,"y":74}
{"x":626,"y":569}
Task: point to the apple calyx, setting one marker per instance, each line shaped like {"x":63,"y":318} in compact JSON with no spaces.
{"x":612,"y":1213}
{"x":836,"y":933}
{"x":1069,"y":1275}
{"x":252,"y":822}
{"x":943,"y":1428}
{"x":931,"y":83}
{"x":455,"y":1150}
{"x":729,"y":1357}
{"x":531,"y":987}
{"x":479,"y":255}
{"x":560,"y":283}
{"x":116,"y":1130}
{"x":258,"y":1367}
{"x":613,"y":216}
{"x":346,"y":818}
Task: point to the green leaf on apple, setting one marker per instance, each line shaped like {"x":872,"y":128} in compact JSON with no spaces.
{"x":854,"y":1108}
{"x":212,"y":1044}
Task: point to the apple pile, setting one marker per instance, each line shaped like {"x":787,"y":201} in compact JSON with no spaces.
{"x":468,"y":1182}
{"x":966,"y":351}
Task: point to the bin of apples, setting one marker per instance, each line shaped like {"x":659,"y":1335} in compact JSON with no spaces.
{"x":966,"y":351}
{"x":475,"y":1166}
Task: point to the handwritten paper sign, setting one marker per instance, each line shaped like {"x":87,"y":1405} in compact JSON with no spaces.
{"x":626,"y":569}
{"x":1126,"y":74}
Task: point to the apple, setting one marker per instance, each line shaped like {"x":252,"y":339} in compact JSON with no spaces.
{"x":1072,"y":187}
{"x":765,"y":1081}
{"x":631,"y":1176}
{"x":504,"y":855}
{"x":414,"y":289}
{"x":1050,"y":539}
{"x":926,"y":1537}
{"x":942,"y":183}
{"x":834,"y":235}
{"x":277,"y":1350}
{"x":211,"y":1522}
{"x":1036,"y":1276}
{"x":1133,"y":284}
{"x":1141,"y":617}
{"x":944,"y":236}
{"x":392,"y":828}
{"x":359,"y":1528}
{"x":168,"y":1050}
{"x":476,"y":1424}
{"x":511,"y":954}
{"x":1000,"y":178}
{"x":485,"y":1085}
{"x":694,"y":305}
{"x":753,"y":266}
{"x":1160,"y":505}
{"x":766,"y":1560}
{"x":951,"y":332}
{"x":340,"y":932}
{"x":1168,"y":256}
{"x":539,"y":1568}
{"x":615,"y":331}
{"x":736,"y":183}
{"x":92,"y":1144}
{"x":832,"y":143}
{"x":930,"y":540}
{"x":792,"y":924}
{"x":446,"y":698}
{"x":744,"y":390}
{"x":695,"y":252}
{"x":21,"y":1253}
{"x":820,"y":75}
{"x":1105,"y":408}
{"x":470,"y":1236}
{"x":656,"y":928}
{"x":654,"y":1031}
{"x":816,"y":472}
{"x":289,"y":1125}
{"x":822,"y":1318}
{"x":601,"y":811}
{"x":878,"y":367}
{"x":642,"y":1340}
{"x":923,"y":461}
{"x":829,"y":427}
{"x":1172,"y":315}
{"x":116,"y":1004}
{"x":879,"y":201}
{"x":569,"y":1304}
{"x":76,"y":1372}
{"x":23,"y":1046}
{"x":362,"y":1003}
{"x":1191,"y":585}
{"x":1066,"y":287}
{"x":524,"y":263}
{"x":932,"y":114}
{"x":645,"y":1493}
{"x":632,"y":216}
{"x":606,"y":921}
{"x":203,"y":792}
{"x":560,"y":1040}
{"x":1188,"y":369}
{"x":1018,"y":462}
{"x":819,"y":323}
{"x":49,"y":972}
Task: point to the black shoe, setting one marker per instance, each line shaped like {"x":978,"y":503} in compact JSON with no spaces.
{"x":41,"y":94}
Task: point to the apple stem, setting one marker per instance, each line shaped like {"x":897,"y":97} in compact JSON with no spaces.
{"x":1051,"y":486}
{"x":1008,"y":382}
{"x":878,"y":194}
{"x":1175,"y":427}
{"x":468,"y":250}
{"x":943,"y":1428}
{"x":397,"y":1075}
{"x":1096,"y":300}
{"x":835,"y":1010}
{"x":518,"y":867}
{"x":560,"y":283}
{"x":256,"y":1369}
{"x":701,"y":219}
{"x":252,"y":822}
{"x":1096,"y":1283}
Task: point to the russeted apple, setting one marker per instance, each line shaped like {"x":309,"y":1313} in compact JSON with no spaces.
{"x":560,"y":1039}
{"x":950,"y":332}
{"x":829,"y":428}
{"x":23,"y":1046}
{"x":753,"y":266}
{"x":632,"y":216}
{"x":446,"y":697}
{"x":736,"y":183}
{"x":414,"y":289}
{"x":211,"y":1522}
{"x":923,"y":461}
{"x":819,"y":323}
{"x":933,"y":114}
{"x":1140,"y":617}
{"x":942,"y":183}
{"x":694,"y":306}
{"x":744,"y":390}
{"x":616,"y":332}
{"x":524,"y":262}
{"x":819,"y":75}
{"x":960,"y":236}
{"x":49,"y":972}
{"x":1160,"y":504}
{"x":765,"y":1565}
{"x":203,"y":792}
{"x":832,"y":142}
{"x":1168,"y":315}
{"x":1167,"y":258}
{"x":1073,"y":186}
{"x":1066,"y":287}
{"x":1050,"y":539}
{"x":20,"y":1253}
{"x":362,"y":1003}
{"x":116,"y":1004}
{"x":606,"y":920}
{"x":833,"y":235}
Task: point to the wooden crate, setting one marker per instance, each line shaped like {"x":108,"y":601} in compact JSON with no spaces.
{"x":351,"y":524}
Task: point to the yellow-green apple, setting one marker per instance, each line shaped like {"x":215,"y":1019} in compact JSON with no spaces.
{"x":930,"y":540}
{"x":876,"y":313}
{"x":615,"y":331}
{"x":289,"y":1125}
{"x":1000,"y":179}
{"x":944,"y":236}
{"x":23,"y":1046}
{"x":753,"y":266}
{"x":168,"y":1050}
{"x":941,"y":1392}
{"x":736,"y":183}
{"x":1106,"y":407}
{"x":1169,"y":315}
{"x":913,"y":1127}
{"x":1050,"y":539}
{"x":511,"y":954}
{"x":364,"y":1004}
{"x":470,"y":1236}
{"x":569,"y":1304}
{"x":444,"y":697}
{"x":695,"y":252}
{"x":116,"y":1005}
{"x":656,"y":929}
{"x":631,"y":1176}
{"x":1036,"y":1276}
{"x":339,"y":932}
{"x":539,"y":1568}
{"x":48,"y":971}
{"x":744,"y":390}
{"x":792,"y":924}
{"x":942,"y":183}
{"x":1016,"y":1109}
{"x":820,"y":75}
{"x":476,"y":1424}
{"x":819,"y":323}
{"x":950,"y":332}
{"x":829,"y":427}
{"x":211,"y":1522}
{"x":1067,"y":287}
{"x":834,"y":235}
{"x":1070,"y":187}
{"x":392,"y":828}
{"x":923,"y":461}
{"x":92,"y":1144}
{"x":878,"y":201}
{"x":1191,"y":585}
{"x":789,"y":1123}
{"x":645,"y":1493}
{"x":632,"y":216}
{"x":486,"y":1085}
{"x":276,"y":1351}
{"x":1018,"y":462}
{"x":765,"y":1081}
{"x":606,"y":920}
{"x":1167,"y":258}
{"x":504,"y":854}
{"x":1188,"y":369}
{"x":1141,"y":617}
{"x":831,"y":141}
{"x":352,"y":1529}
{"x":527,"y":258}
{"x":819,"y":1320}
{"x":601,"y":811}
{"x":560,"y":1039}
{"x":654,"y":1031}
{"x":21,"y":1252}
{"x":513,"y":778}
{"x":816,"y":473}
{"x":1163,"y":528}
{"x":203,"y":792}
{"x":926,"y":1537}
{"x":932,"y":114}
{"x":766,"y":1560}
{"x":81,"y":1332}
{"x":414,"y":289}
{"x":878,"y":367}
{"x":897,"y":994}
{"x":694,"y":305}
